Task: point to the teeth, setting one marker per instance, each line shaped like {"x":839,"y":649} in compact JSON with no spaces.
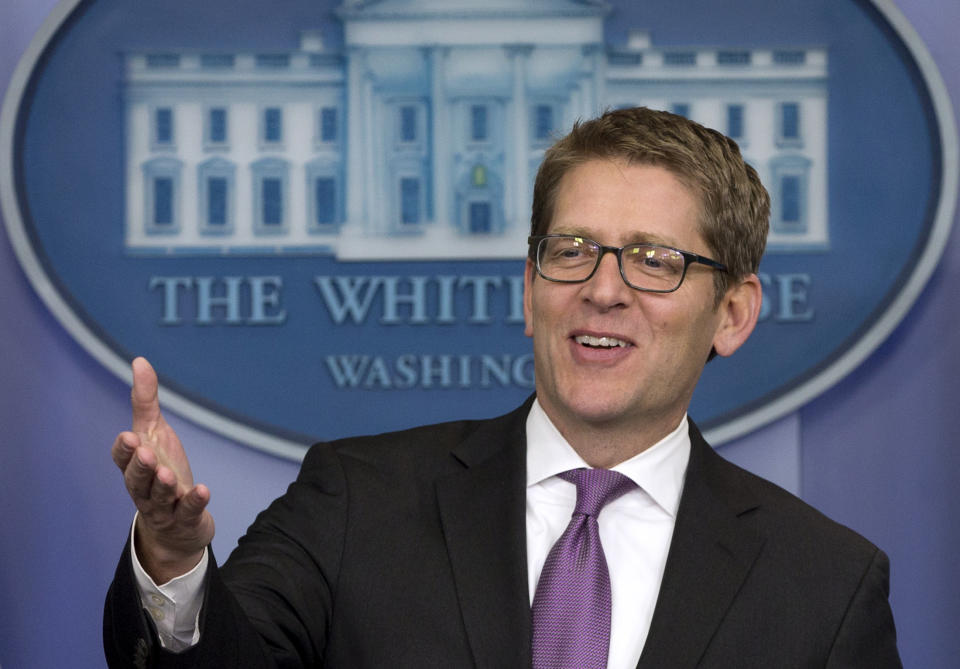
{"x":602,"y":342}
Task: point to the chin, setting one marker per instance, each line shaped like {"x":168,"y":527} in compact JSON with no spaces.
{"x":596,"y":408}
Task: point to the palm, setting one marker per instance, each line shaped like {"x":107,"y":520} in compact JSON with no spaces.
{"x":173,"y":524}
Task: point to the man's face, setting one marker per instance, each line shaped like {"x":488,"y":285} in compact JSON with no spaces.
{"x":657,"y":344}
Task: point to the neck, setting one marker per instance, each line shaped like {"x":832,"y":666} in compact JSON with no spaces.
{"x":605,"y":444}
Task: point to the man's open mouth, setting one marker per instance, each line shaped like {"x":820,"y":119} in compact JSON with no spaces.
{"x":600,"y":342}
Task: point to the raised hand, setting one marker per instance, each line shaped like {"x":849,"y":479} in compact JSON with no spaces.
{"x":173,"y":525}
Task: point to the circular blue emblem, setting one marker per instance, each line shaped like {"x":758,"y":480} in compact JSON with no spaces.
{"x":311,"y":216}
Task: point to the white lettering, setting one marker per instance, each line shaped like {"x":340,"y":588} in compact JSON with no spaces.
{"x":352,"y":370}
{"x":264,"y":295}
{"x":354,"y":302}
{"x":416,"y":298}
{"x":171,"y":296}
{"x":785,"y":298}
{"x":421,"y":300}
{"x":230,"y":300}
{"x":347,"y":370}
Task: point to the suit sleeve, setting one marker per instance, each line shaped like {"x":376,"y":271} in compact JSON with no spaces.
{"x":867,"y":638}
{"x":269,"y":605}
{"x":226,"y":635}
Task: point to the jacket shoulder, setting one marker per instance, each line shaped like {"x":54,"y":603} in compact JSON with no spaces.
{"x":447,"y":443}
{"x":778,"y":514}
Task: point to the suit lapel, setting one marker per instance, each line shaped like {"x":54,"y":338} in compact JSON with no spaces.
{"x":482,"y":508}
{"x":711,"y":553}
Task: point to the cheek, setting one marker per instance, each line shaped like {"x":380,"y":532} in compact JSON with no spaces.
{"x":677,"y":331}
{"x":658,"y":319}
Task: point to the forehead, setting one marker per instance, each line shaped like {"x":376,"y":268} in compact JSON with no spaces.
{"x":616,"y":202}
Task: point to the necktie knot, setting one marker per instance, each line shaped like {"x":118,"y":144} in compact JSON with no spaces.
{"x":596,"y":488}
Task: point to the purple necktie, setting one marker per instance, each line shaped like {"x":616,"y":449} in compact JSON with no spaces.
{"x":571,"y":607}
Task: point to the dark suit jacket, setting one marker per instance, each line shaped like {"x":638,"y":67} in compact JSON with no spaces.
{"x":408,"y":550}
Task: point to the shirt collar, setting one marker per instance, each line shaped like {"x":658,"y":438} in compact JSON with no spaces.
{"x":658,"y":471}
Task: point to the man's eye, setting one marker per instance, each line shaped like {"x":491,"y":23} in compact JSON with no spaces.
{"x":653,"y":262}
{"x":570,"y":253}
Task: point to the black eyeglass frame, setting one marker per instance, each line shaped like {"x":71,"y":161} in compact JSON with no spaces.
{"x":688,"y":259}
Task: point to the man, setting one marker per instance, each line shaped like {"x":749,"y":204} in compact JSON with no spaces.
{"x":445,"y":546}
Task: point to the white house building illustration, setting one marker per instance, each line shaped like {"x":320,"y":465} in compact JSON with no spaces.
{"x":421,"y":136}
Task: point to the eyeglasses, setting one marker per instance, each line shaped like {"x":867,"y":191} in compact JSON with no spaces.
{"x":647,"y":267}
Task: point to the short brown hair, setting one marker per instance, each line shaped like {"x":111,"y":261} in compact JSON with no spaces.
{"x":735,"y":207}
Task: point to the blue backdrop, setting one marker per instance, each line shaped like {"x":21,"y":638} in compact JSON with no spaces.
{"x":875,"y":452}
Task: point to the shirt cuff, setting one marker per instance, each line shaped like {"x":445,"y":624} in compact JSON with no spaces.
{"x":175,"y":605}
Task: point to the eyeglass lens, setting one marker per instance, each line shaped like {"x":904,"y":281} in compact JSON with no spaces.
{"x":644,"y":266}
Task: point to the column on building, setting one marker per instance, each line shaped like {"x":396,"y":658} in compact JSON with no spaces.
{"x":577,"y":98}
{"x":374,"y":186}
{"x":518,"y":181}
{"x":582,"y":95}
{"x":440,"y":134}
{"x":357,"y":140}
{"x":598,"y":59}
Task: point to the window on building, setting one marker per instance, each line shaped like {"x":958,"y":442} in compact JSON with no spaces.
{"x":789,"y":123}
{"x":625,"y":57}
{"x":271,"y":200}
{"x":273,"y":60}
{"x":215,"y":184}
{"x":409,"y":200}
{"x":216,"y":201}
{"x":163,"y":201}
{"x":681,"y":109}
{"x":217,"y":125}
{"x":270,"y":182}
{"x":790,"y":178}
{"x":328,"y":125}
{"x":273,"y":125}
{"x":215,"y":61}
{"x":324,"y":60}
{"x":682,"y":58}
{"x":543,"y":122}
{"x":408,"y":124}
{"x":789,"y":57}
{"x":478,"y":177}
{"x":735,"y":121}
{"x":480,"y":222}
{"x":324,"y":193}
{"x":163,"y":126}
{"x":163,"y":60}
{"x":324,"y":201}
{"x":790,"y":200}
{"x":733,"y":57}
{"x":478,"y":123}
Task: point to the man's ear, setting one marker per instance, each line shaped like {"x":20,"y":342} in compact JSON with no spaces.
{"x":739,"y":310}
{"x":529,"y":273}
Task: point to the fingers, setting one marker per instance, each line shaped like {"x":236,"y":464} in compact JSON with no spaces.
{"x":143,"y":396}
{"x":123,"y":448}
{"x":139,"y":476}
{"x":191,"y":506}
{"x":155,"y":491}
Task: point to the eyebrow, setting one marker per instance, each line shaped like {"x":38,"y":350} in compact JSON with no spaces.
{"x":633,"y":238}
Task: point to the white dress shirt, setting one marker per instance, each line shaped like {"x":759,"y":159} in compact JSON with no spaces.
{"x":174,"y":605}
{"x":635,"y":530}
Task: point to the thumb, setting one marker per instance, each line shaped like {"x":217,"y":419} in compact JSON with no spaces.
{"x":144,"y":399}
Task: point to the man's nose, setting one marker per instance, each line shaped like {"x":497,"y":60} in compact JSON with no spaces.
{"x":606,"y":288}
